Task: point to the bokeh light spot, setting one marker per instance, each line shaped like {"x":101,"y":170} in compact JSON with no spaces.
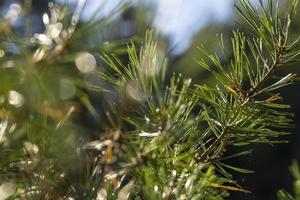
{"x":15,"y":98}
{"x":85,"y":62}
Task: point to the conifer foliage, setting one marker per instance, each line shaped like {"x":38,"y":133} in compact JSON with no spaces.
{"x":282,"y":194}
{"x":157,"y":136}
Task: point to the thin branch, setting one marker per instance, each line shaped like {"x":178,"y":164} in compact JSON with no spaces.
{"x":251,"y":93}
{"x":277,"y":62}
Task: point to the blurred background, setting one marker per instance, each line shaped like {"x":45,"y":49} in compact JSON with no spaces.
{"x":181,"y":26}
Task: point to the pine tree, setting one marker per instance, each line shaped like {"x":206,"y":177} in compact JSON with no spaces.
{"x":156,"y":136}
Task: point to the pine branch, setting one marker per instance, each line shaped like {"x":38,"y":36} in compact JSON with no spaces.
{"x":246,"y":98}
{"x":295,"y":171}
{"x":276,"y":63}
{"x":159,"y":138}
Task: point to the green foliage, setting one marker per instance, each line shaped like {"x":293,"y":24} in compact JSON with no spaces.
{"x":156,"y":137}
{"x":283,"y":195}
{"x":244,"y":107}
